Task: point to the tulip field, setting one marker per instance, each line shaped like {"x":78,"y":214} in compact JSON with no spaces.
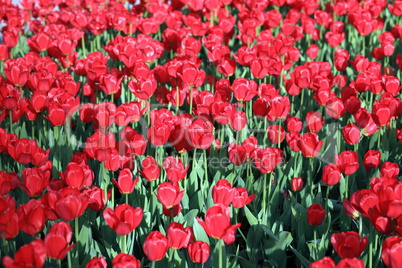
{"x":200,"y":133}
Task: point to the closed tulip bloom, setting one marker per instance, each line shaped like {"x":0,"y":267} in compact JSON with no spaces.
{"x":296,"y":184}
{"x":125,"y":182}
{"x":238,"y":120}
{"x":381,"y":114}
{"x":158,"y":133}
{"x":199,"y":251}
{"x":169,"y":194}
{"x":34,"y":181}
{"x":31,"y":217}
{"x":243,"y":89}
{"x":335,"y":108}
{"x":276,"y":134}
{"x":96,"y":198}
{"x":201,"y":135}
{"x":77,"y":176}
{"x":267,"y":159}
{"x":57,"y":240}
{"x":9,"y":226}
{"x":348,"y":244}
{"x":315,"y":214}
{"x":331,"y":174}
{"x":29,"y":255}
{"x":123,"y":219}
{"x":312,"y":51}
{"x":326,"y":262}
{"x":350,"y":263}
{"x":70,"y":203}
{"x":391,"y":251}
{"x":217,"y":224}
{"x":178,"y":237}
{"x":314,"y":121}
{"x":56,"y":114}
{"x":155,"y":246}
{"x":125,"y":260}
{"x":389,"y":170}
{"x":371,"y":159}
{"x":96,"y":262}
{"x":223,"y":192}
{"x":150,"y":169}
{"x":293,"y":124}
{"x":351,"y":133}
{"x":348,"y":162}
{"x":309,"y":144}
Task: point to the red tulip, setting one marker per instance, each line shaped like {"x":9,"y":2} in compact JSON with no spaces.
{"x":243,"y":89}
{"x":371,"y":159}
{"x":293,"y":124}
{"x":296,"y":184}
{"x":223,"y":192}
{"x":155,"y":246}
{"x":99,"y":146}
{"x":57,"y":240}
{"x":238,"y":120}
{"x":276,"y":134}
{"x":123,"y":219}
{"x":315,"y":214}
{"x":348,"y":244}
{"x":178,"y":237}
{"x":77,"y":176}
{"x":335,"y":108}
{"x":309,"y":144}
{"x":125,"y":260}
{"x":16,"y":71}
{"x":217,"y":224}
{"x":9,"y":226}
{"x":350,"y":263}
{"x":158,"y":133}
{"x":267,"y":159}
{"x":331,"y":174}
{"x":312,"y":51}
{"x":96,"y":198}
{"x":326,"y":262}
{"x":31,"y":217}
{"x":34,"y":181}
{"x":242,"y":198}
{"x":150,"y":169}
{"x":5,"y":183}
{"x":391,"y":250}
{"x":198,"y":251}
{"x":69,"y":203}
{"x":389,"y":170}
{"x":201,"y":135}
{"x":351,"y":133}
{"x":381,"y":114}
{"x":96,"y":262}
{"x":169,"y":194}
{"x":348,"y":162}
{"x":314,"y":121}
{"x":175,"y":170}
{"x":29,"y":255}
{"x":125,"y":182}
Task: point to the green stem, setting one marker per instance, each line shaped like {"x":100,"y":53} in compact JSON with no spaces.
{"x":205,"y":165}
{"x":191,"y":100}
{"x":123,"y":243}
{"x":315,"y":244}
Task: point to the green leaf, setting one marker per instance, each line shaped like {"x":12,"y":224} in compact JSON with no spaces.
{"x":199,"y":233}
{"x":190,"y":216}
{"x":305,"y":262}
{"x":250,"y":217}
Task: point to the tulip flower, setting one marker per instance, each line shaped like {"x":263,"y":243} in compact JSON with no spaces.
{"x":123,"y":219}
{"x":96,"y":262}
{"x":223,"y":192}
{"x":217,"y":224}
{"x":316,"y":214}
{"x":309,"y":144}
{"x":155,"y":246}
{"x":125,"y":182}
{"x":31,"y":217}
{"x":331,"y":174}
{"x":198,"y":251}
{"x":57,"y":240}
{"x":169,"y":194}
{"x":241,"y":197}
{"x":29,"y":255}
{"x":348,"y":162}
{"x":326,"y":262}
{"x":348,"y":244}
{"x":371,"y":159}
{"x":296,"y":184}
{"x":150,"y":169}
{"x":125,"y":260}
{"x":175,"y":170}
{"x":178,"y":237}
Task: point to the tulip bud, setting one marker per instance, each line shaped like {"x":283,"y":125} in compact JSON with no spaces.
{"x":198,"y":251}
{"x":296,"y":184}
{"x":315,"y":214}
{"x":155,"y":246}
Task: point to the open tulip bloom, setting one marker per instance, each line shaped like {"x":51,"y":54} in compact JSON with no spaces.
{"x":213,"y":133}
